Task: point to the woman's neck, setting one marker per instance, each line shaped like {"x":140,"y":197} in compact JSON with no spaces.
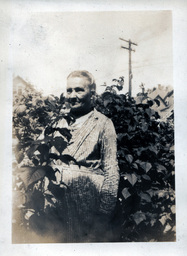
{"x":81,"y":113}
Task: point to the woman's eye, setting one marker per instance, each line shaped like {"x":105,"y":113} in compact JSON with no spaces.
{"x":79,"y":90}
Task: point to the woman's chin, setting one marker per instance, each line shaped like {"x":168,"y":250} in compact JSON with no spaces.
{"x":75,"y":110}
{"x":79,"y":111}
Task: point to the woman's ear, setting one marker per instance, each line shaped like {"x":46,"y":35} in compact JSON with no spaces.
{"x":93,"y":94}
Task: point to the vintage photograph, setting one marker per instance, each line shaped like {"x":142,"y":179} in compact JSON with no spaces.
{"x":93,"y":144}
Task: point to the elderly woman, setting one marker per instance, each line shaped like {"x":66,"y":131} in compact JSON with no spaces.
{"x":88,"y":204}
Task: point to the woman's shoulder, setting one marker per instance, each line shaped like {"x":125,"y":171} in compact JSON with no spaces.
{"x":102,"y":118}
{"x":99,"y":115}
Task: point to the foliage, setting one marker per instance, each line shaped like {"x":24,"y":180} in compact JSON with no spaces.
{"x":38,"y":155}
{"x":146,"y":201}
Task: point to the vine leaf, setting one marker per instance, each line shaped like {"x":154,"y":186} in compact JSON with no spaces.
{"x":160,"y":168}
{"x":146,"y":166}
{"x":163,"y":219}
{"x":66,"y":133}
{"x":132,"y":178}
{"x":139,"y":217}
{"x":146,"y":197}
{"x":129,"y":158}
{"x":59,"y":143}
{"x":50,"y":174}
{"x":29,"y":213}
{"x":31,"y":150}
{"x":106,"y":102}
{"x":173,"y":209}
{"x":29,"y":175}
{"x":56,"y":190}
{"x":150,"y":102}
{"x":146,"y":177}
{"x":67,"y":159}
{"x":167,"y":228}
{"x":125,"y":193}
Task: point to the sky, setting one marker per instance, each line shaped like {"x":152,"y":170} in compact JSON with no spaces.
{"x":46,"y":47}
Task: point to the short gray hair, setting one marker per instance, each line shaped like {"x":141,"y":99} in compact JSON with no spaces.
{"x":85,"y":74}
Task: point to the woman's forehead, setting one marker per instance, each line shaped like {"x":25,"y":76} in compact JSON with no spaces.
{"x":77,"y":82}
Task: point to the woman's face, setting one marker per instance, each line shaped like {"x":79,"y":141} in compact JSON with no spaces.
{"x":79,"y":95}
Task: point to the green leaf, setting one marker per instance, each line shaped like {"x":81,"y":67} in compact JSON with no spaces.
{"x":167,"y":228}
{"x":53,"y":156}
{"x":129,"y":158}
{"x":36,"y":199}
{"x":65,"y":132}
{"x":153,"y":221}
{"x":67,"y":159}
{"x":166,"y":217}
{"x":30,"y":175}
{"x":119,"y":87}
{"x":50,"y":200}
{"x":57,"y":190}
{"x":150,"y":102}
{"x":125,"y":193}
{"x":151,"y":192}
{"x":146,"y":166}
{"x":161,"y":193}
{"x":144,"y":127}
{"x":145,"y":197}
{"x":31,"y":150}
{"x":131,"y":128}
{"x":19,"y":156}
{"x":36,"y":175}
{"x":29,"y":213}
{"x":106,"y":102}
{"x":118,"y":108}
{"x":174,"y":229}
{"x":48,"y":130}
{"x":43,"y":149}
{"x":172,"y":148}
{"x":132,"y":178}
{"x":148,"y":112}
{"x":135,"y":166}
{"x":173,"y":209}
{"x":160,"y":168}
{"x":50,"y":174}
{"x":153,"y":149}
{"x":139,"y":217}
{"x":146,"y":177}
{"x":59,"y":143}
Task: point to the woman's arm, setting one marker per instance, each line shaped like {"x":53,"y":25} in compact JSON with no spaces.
{"x":109,"y":189}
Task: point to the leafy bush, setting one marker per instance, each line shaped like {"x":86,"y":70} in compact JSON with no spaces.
{"x":36,"y":175}
{"x":145,"y":208}
{"x":146,"y":200}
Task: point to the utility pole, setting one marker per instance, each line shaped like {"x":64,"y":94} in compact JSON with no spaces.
{"x":130,"y":68}
{"x":142,"y":86}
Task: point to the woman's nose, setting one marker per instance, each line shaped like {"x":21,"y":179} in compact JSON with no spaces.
{"x":73,"y":95}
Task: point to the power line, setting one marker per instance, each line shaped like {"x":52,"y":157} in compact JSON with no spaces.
{"x":154,"y":64}
{"x":145,"y":64}
{"x":134,"y":67}
{"x":130,"y":68}
{"x":153,"y":59}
